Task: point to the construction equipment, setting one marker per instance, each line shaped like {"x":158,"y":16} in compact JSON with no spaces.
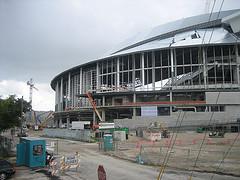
{"x":41,"y":122}
{"x":93,"y":104}
{"x":216,"y":134}
{"x":161,"y":127}
{"x":31,"y":87}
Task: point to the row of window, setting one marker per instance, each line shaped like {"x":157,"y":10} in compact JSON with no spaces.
{"x":165,"y":111}
{"x":183,"y":56}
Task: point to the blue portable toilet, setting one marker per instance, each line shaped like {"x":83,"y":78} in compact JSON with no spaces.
{"x":108,"y":142}
{"x":31,"y":152}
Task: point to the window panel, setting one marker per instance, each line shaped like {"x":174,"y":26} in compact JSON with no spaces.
{"x":165,"y":73}
{"x":149,"y":55}
{"x":179,"y":56}
{"x":158,"y":75}
{"x":130,"y":62}
{"x":218,"y":51}
{"x":137,"y":61}
{"x":125,"y":63}
{"x":165,"y":58}
{"x":157,"y":58}
{"x":194,"y":55}
{"x":187,"y":56}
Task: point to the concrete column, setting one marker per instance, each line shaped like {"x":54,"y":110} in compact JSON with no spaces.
{"x":118,"y":79}
{"x":236,"y":75}
{"x":60,"y":122}
{"x":134,"y":108}
{"x":103,"y":115}
{"x":80,"y":81}
{"x":68,"y":122}
{"x":172,"y":65}
{"x":55,"y":123}
{"x":56,"y":97}
{"x":142,"y":68}
{"x":69,"y":91}
{"x":103,"y":101}
{"x":61,"y":95}
{"x":204,"y":68}
{"x":153,"y":70}
{"x":172,"y":76}
{"x":97,"y":77}
{"x":134,"y":98}
{"x":133,"y":74}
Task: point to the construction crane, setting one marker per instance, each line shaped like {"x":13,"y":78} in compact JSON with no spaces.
{"x":31,"y":87}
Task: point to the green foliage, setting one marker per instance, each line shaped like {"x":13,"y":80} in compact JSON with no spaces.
{"x":10,"y":112}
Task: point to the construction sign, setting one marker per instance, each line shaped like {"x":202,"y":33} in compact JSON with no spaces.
{"x":64,"y":163}
{"x":101,"y":173}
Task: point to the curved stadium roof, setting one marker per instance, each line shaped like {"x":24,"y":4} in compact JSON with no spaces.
{"x":175,"y":34}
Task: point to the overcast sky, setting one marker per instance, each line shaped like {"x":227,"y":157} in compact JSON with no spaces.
{"x":41,"y":38}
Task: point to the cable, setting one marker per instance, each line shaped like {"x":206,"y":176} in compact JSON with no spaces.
{"x":201,"y":146}
{"x":226,"y":154}
{"x":168,"y":154}
{"x":165,"y":157}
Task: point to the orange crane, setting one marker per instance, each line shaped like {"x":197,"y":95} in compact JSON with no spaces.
{"x":93,"y":103}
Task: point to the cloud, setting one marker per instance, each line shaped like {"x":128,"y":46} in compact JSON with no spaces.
{"x":43,"y":99}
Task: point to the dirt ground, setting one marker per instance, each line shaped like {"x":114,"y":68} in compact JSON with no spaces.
{"x":181,"y":160}
{"x":220,"y":155}
{"x":217,"y":155}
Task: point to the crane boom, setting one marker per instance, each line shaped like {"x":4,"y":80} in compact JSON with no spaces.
{"x":93,"y":103}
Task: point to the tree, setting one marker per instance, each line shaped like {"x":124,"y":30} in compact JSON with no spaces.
{"x":10,"y":111}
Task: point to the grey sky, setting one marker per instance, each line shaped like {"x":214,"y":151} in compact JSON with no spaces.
{"x":41,"y":38}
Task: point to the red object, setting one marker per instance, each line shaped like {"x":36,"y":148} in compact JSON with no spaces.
{"x":101,"y":173}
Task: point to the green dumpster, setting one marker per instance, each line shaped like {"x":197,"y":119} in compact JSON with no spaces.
{"x":108,"y":142}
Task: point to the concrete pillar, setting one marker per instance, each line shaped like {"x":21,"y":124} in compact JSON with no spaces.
{"x":118,"y":78}
{"x":204,"y":68}
{"x":80,"y":81}
{"x":56,"y":123}
{"x":153,"y":70}
{"x":134,"y":108}
{"x":60,"y":122}
{"x":172,"y":76}
{"x":172,"y":60}
{"x":97,"y":77}
{"x":103,"y":101}
{"x":133,"y":74}
{"x":56,"y":97}
{"x":61,"y":95}
{"x":69,"y":91}
{"x":236,"y":75}
{"x":103,"y":115}
{"x":68,"y":122}
{"x":142,"y":68}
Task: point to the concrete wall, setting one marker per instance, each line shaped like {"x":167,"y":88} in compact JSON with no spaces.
{"x":189,"y":119}
{"x":80,"y":135}
{"x":223,"y":97}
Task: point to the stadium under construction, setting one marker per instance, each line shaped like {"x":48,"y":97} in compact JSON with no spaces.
{"x":187,"y":69}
